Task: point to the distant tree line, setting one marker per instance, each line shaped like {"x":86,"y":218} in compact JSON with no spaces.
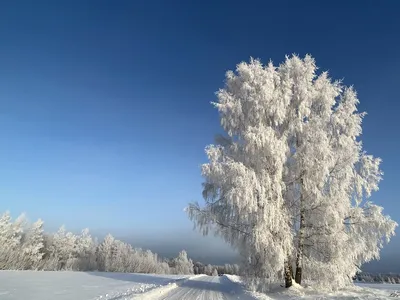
{"x":214,"y":270}
{"x":25,"y":246}
{"x":389,"y":278}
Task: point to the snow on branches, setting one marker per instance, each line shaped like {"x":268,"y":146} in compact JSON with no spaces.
{"x":287,"y":185}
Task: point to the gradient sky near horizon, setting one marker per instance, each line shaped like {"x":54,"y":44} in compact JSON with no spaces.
{"x":105,"y":105}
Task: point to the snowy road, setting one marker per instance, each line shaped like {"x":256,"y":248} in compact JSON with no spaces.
{"x":205,"y":288}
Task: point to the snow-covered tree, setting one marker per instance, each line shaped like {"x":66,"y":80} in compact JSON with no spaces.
{"x":105,"y":253}
{"x":198,"y":268}
{"x":164,"y":268}
{"x":214,"y":272}
{"x":182,"y":264}
{"x":18,"y":230}
{"x":208,"y":269}
{"x":86,"y":251}
{"x":151,"y":263}
{"x":63,"y":248}
{"x":228,"y":269}
{"x":118,"y":256}
{"x":236,"y":269}
{"x":11,"y":237}
{"x":5,"y":229}
{"x":5,"y":236}
{"x":33,"y":248}
{"x":287,"y":185}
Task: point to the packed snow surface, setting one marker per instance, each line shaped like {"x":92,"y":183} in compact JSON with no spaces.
{"x":119,"y":286}
{"x":201,"y":288}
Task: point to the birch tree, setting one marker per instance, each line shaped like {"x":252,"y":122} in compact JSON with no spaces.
{"x":33,"y":248}
{"x":86,"y":251}
{"x":105,"y":253}
{"x":63,"y":248}
{"x":11,"y":236}
{"x":288,"y":185}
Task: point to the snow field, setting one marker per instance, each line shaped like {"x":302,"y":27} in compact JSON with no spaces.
{"x":41,"y":285}
{"x":359,"y":291}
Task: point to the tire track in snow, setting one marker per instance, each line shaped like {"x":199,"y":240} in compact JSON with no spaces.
{"x":203,"y":288}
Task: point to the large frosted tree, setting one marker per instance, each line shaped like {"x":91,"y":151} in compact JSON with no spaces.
{"x":288,"y":185}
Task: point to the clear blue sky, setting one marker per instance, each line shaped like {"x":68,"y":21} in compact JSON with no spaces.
{"x":105,"y":105}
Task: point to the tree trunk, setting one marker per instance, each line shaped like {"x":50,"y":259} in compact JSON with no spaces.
{"x":288,"y":274}
{"x":300,"y":248}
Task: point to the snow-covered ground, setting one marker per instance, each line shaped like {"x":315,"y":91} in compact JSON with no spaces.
{"x":359,"y":291}
{"x":118,"y":286}
{"x":78,"y":285}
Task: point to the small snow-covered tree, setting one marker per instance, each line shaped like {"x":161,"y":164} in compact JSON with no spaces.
{"x":208,"y":269}
{"x":150,"y":262}
{"x":19,"y":227}
{"x":287,"y":185}
{"x":119,"y":257}
{"x":86,"y":251}
{"x":182,"y":264}
{"x":11,"y":237}
{"x":164,"y":268}
{"x":198,"y":268}
{"x":105,"y":253}
{"x":33,"y":248}
{"x":63,"y":249}
{"x":5,"y":236}
{"x":214,"y":272}
{"x":236,"y":269}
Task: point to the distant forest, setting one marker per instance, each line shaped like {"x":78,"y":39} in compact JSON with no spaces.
{"x":389,"y":278}
{"x":25,"y":246}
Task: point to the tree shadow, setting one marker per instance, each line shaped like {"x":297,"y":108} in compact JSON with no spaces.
{"x":222,"y":285}
{"x":203,"y":285}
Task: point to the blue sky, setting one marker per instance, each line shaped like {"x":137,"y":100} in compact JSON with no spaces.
{"x":105,"y":105}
